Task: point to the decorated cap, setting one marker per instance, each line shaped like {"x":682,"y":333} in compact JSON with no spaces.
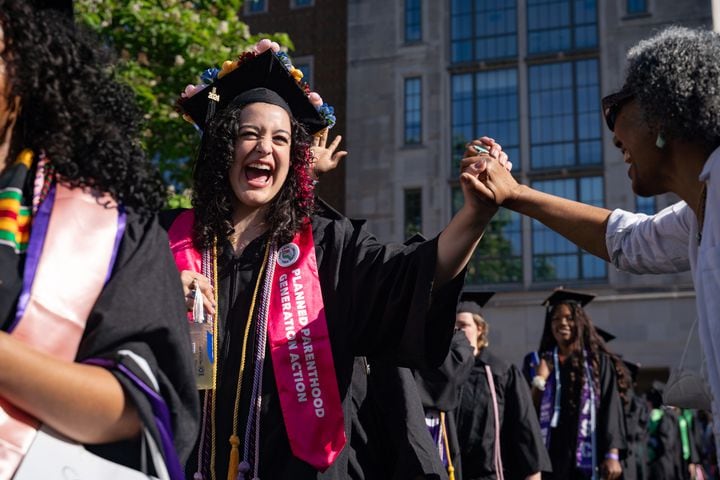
{"x":472,"y":302}
{"x":264,"y":74}
{"x":607,"y":336}
{"x":560,"y":295}
{"x":633,"y":368}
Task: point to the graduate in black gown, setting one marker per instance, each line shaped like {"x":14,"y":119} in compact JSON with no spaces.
{"x":522,"y":450}
{"x":576,"y":364}
{"x":664,"y":450}
{"x":636,"y":419}
{"x":65,"y":124}
{"x":254,"y":213}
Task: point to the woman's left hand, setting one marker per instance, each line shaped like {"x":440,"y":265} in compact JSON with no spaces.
{"x":610,"y":469}
{"x":325,"y":159}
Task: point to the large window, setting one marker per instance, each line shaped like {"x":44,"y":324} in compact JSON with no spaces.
{"x":636,"y":6}
{"x":498,"y":257}
{"x":561,"y":25}
{"x":413,"y":111}
{"x":565,"y":120}
{"x":554,"y":257}
{"x":301,"y":3}
{"x":486,"y":103}
{"x":256,"y":6}
{"x":413,"y":21}
{"x":483,"y":29}
{"x":413,"y":212}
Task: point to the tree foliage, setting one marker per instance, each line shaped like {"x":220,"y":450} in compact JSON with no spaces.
{"x":163,"y":45}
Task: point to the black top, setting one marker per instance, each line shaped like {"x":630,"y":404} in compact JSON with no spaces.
{"x":379,"y":302}
{"x":390,"y":438}
{"x":140,"y":309}
{"x":522,"y":448}
{"x":610,"y":425}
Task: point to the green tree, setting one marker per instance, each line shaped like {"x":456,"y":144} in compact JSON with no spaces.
{"x":163,"y":45}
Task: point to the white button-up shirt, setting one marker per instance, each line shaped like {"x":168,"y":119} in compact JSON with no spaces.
{"x":667,"y":242}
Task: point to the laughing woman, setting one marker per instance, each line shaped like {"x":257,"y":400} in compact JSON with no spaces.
{"x":581,"y":417}
{"x":299,"y":290}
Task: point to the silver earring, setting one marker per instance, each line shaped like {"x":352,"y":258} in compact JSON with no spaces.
{"x":660,"y":141}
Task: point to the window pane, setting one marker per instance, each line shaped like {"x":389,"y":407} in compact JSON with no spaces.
{"x":565,"y":121}
{"x":413,"y":110}
{"x":413,"y":211}
{"x":561,"y":25}
{"x":482,"y":30}
{"x":498,"y":258}
{"x":485,"y":103}
{"x":645,"y":205}
{"x":413,"y":20}
{"x":554,"y":257}
{"x":636,"y":6}
{"x":256,"y":6}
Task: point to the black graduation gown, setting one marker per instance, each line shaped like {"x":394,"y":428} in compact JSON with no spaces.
{"x":440,"y":389}
{"x":140,"y":309}
{"x":522,"y":447}
{"x":610,"y":426}
{"x":390,"y":437}
{"x":379,"y":302}
{"x":636,"y":419}
{"x":665,"y":442}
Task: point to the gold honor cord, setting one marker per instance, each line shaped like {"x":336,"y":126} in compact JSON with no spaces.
{"x":213,"y":392}
{"x":234,"y":460}
{"x":443,"y":428}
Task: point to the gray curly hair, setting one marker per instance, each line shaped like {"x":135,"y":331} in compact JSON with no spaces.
{"x":675,"y":76}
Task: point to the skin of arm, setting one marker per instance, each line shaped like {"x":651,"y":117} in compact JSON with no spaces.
{"x":582,"y":224}
{"x":84,"y":402}
{"x":462,"y":235}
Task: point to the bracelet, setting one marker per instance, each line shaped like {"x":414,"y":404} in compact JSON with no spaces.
{"x":539,"y":383}
{"x":612,"y":456}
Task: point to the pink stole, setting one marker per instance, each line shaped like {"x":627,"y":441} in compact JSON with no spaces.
{"x":302,"y":355}
{"x":299,"y":345}
{"x":77,"y":255}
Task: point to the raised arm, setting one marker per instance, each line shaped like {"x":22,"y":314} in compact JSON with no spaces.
{"x":582,"y":224}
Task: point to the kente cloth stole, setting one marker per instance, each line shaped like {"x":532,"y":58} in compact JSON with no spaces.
{"x":586,"y":449}
{"x":72,"y":247}
{"x":299,"y":344}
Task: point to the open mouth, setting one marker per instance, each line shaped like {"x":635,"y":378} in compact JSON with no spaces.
{"x":258,"y":174}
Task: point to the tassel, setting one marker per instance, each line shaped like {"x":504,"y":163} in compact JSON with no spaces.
{"x":234,"y":457}
{"x":451,"y":472}
{"x":197,"y":476}
{"x":243,"y":470}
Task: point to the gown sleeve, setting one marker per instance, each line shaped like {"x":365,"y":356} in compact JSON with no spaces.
{"x":611,"y":422}
{"x":386,"y":293}
{"x":439,"y":387}
{"x":136,"y":330}
{"x":523,"y":448}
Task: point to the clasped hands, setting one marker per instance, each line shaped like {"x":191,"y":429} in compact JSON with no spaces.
{"x":485,"y":170}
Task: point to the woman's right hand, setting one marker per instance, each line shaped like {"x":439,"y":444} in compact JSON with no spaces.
{"x":192,"y":280}
{"x":495,"y":184}
{"x":543,"y":369}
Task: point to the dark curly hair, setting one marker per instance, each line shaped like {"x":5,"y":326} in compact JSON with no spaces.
{"x":212,"y":193}
{"x":73,"y":109}
{"x":589,"y":340}
{"x":675,"y":75}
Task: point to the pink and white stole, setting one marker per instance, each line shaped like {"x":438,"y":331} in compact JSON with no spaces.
{"x":299,"y":344}
{"x":73,"y":243}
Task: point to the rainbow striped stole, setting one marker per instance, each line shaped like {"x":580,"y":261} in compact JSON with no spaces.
{"x":14,"y":216}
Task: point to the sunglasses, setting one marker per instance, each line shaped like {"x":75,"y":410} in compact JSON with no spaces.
{"x":613,"y":103}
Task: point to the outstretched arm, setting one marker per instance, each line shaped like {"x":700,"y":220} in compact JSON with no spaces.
{"x":462,"y":235}
{"x":582,"y":224}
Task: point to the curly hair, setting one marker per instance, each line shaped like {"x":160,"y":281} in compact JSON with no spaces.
{"x":675,"y":76}
{"x":72,"y":109}
{"x":586,"y":339}
{"x":213,"y":195}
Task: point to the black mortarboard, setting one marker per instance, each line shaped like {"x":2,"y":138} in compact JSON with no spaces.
{"x":633,"y":368}
{"x":472,"y":302}
{"x":266,"y":71}
{"x":560,"y":295}
{"x":607,"y":336}
{"x":416,"y":238}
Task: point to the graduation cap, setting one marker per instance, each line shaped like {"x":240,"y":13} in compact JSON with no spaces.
{"x":472,"y":302}
{"x":416,"y":238}
{"x":633,"y":368}
{"x":560,"y":295}
{"x":262,"y":71}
